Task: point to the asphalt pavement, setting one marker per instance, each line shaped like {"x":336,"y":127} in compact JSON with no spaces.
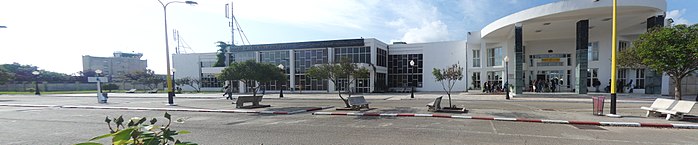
{"x":54,"y":125}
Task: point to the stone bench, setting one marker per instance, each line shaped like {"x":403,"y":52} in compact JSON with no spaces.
{"x":358,"y":102}
{"x":673,"y":108}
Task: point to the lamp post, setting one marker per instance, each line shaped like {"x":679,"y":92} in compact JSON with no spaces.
{"x":174,"y":82}
{"x":506,"y":71}
{"x":170,"y":92}
{"x":99,"y":82}
{"x":36,"y":82}
{"x":281,"y":90}
{"x":412,"y":79}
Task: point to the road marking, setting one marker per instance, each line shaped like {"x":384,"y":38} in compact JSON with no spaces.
{"x":493,"y":129}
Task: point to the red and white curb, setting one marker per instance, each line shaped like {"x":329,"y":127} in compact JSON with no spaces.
{"x":171,"y":109}
{"x":626,"y":124}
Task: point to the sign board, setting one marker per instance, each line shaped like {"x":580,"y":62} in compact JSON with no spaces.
{"x":97,"y":79}
{"x":551,"y":59}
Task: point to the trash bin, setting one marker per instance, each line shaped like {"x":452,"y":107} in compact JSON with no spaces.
{"x":598,"y":105}
{"x":102,"y":98}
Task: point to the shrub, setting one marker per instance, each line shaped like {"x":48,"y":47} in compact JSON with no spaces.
{"x":137,"y":133}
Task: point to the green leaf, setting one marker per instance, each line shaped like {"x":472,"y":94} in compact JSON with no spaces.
{"x":167,"y":115}
{"x":89,"y":143}
{"x":101,"y":137}
{"x":122,"y":135}
{"x":153,"y":121}
{"x":184,"y":132}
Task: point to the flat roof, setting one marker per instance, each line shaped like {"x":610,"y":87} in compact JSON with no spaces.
{"x":300,"y":45}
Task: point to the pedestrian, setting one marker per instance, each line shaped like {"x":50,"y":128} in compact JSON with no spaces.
{"x":554,"y":84}
{"x":630,"y":86}
{"x":534,"y":84}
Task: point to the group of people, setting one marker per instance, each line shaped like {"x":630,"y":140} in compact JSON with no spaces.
{"x":544,"y":85}
{"x":492,"y":86}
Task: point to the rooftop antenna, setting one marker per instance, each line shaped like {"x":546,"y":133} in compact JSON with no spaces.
{"x":234,"y":25}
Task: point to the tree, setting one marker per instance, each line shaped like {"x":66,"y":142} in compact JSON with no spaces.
{"x":252,"y":72}
{"x":193,"y":83}
{"x":23,"y":73}
{"x":671,"y":50}
{"x":220,"y":54}
{"x":5,"y":76}
{"x":147,"y":77}
{"x":344,"y":70}
{"x":448,"y":78}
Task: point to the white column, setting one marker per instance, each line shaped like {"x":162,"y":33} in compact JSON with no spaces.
{"x":292,"y":69}
{"x":483,"y":62}
{"x":330,"y":59}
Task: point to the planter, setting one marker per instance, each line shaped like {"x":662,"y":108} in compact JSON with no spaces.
{"x":453,"y":110}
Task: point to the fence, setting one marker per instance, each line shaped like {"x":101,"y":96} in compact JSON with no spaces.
{"x":46,"y":86}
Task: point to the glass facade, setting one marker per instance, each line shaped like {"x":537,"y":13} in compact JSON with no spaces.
{"x":354,"y":54}
{"x":305,"y":59}
{"x":476,"y":58}
{"x":276,"y":58}
{"x":244,"y":56}
{"x":401,"y":74}
{"x":209,"y":80}
{"x":382,"y":57}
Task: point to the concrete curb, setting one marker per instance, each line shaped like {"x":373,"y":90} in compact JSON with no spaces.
{"x":171,"y":109}
{"x":624,"y":124}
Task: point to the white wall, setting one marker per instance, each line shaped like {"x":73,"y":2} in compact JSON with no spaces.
{"x":436,"y":55}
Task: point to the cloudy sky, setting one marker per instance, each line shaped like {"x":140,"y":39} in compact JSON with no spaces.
{"x":55,"y":34}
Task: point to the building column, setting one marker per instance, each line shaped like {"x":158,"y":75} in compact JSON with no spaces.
{"x":330,"y":59}
{"x":483,"y":63}
{"x":519,"y":60}
{"x":582,"y":57}
{"x":292,"y":70}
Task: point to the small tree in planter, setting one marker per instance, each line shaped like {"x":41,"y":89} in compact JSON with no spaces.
{"x":251,"y":72}
{"x":334,"y":72}
{"x":448,"y":78}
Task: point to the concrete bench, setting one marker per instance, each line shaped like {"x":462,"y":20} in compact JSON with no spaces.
{"x":436,"y":105}
{"x":153,"y":91}
{"x":358,"y":102}
{"x":674,"y":109}
{"x":241,"y":100}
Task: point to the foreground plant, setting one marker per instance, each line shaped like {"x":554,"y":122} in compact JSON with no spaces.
{"x":136,"y":132}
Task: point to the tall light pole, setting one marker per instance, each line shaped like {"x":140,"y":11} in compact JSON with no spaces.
{"x":614,"y":46}
{"x":281,"y":90}
{"x":506,"y":73}
{"x":412,"y":79}
{"x":170,"y":90}
{"x":36,"y":82}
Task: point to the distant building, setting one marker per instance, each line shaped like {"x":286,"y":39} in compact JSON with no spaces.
{"x":115,"y":67}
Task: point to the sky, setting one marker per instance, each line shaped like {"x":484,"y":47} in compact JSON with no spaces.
{"x":53,"y":35}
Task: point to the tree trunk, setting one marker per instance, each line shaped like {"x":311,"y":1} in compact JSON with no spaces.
{"x":346,"y":102}
{"x":449,"y":99}
{"x":677,"y":88}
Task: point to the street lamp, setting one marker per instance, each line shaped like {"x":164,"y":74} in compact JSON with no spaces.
{"x":174,"y":81}
{"x":99,"y":85}
{"x":412,"y":79}
{"x":506,"y":68}
{"x":170,"y":92}
{"x":36,"y":82}
{"x":281,"y":92}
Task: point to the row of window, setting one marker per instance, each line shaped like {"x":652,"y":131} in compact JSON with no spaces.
{"x":354,"y":54}
{"x":494,"y":55}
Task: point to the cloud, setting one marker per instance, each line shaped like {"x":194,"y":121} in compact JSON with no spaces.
{"x":427,"y":32}
{"x":677,"y":16}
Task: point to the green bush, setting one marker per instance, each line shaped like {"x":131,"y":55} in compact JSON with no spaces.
{"x":30,"y":89}
{"x":110,"y":87}
{"x":137,"y":133}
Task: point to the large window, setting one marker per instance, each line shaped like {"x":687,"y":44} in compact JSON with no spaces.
{"x":495,"y":78}
{"x":494,"y":57}
{"x":592,"y":73}
{"x":354,"y":54}
{"x":476,"y":80}
{"x":304,"y":59}
{"x":622,"y":76}
{"x":401,"y":74}
{"x":476,"y":58}
{"x":209,"y":80}
{"x":276,"y":58}
{"x":622,"y":45}
{"x":382,"y":57}
{"x":593,"y":51}
{"x":640,"y":79}
{"x":243,"y":56}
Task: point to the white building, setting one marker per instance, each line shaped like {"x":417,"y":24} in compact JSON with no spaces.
{"x":568,"y":41}
{"x":115,"y":67}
